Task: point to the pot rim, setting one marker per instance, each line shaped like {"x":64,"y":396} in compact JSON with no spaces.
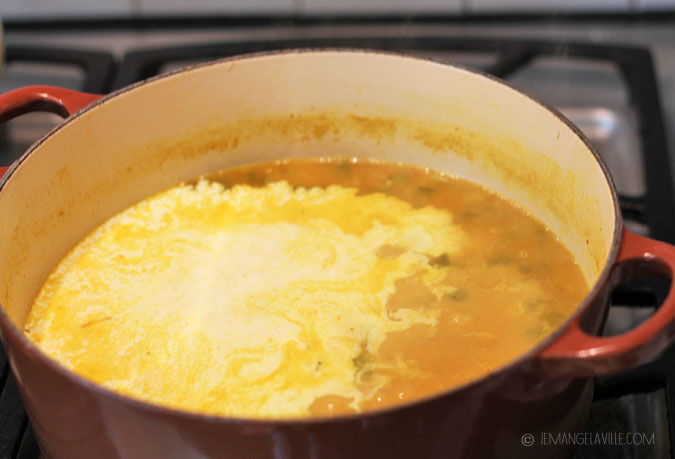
{"x":162,"y":410}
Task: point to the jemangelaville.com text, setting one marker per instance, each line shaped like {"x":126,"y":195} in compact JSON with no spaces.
{"x":596,"y":438}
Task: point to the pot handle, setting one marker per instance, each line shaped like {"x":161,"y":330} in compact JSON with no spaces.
{"x":63,"y":102}
{"x":576,"y":353}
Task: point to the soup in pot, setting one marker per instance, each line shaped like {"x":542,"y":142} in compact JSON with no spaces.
{"x":305,"y":287}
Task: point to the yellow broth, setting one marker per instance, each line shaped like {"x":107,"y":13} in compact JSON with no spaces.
{"x":504,"y":283}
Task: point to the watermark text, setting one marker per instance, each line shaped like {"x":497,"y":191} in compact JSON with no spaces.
{"x":587,"y":438}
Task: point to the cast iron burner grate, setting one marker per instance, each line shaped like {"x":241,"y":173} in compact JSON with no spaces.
{"x":655,"y":208}
{"x":98,"y":67}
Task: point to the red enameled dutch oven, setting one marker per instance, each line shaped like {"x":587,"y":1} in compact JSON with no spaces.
{"x":114,"y":150}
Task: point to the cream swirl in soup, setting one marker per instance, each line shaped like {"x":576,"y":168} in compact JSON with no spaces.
{"x":305,"y":287}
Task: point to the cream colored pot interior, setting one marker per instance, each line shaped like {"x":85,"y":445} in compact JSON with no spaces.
{"x":296,"y":105}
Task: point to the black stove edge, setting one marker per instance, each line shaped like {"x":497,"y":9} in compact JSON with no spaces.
{"x":122,"y":22}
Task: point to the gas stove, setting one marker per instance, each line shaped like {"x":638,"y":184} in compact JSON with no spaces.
{"x":610,"y":92}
